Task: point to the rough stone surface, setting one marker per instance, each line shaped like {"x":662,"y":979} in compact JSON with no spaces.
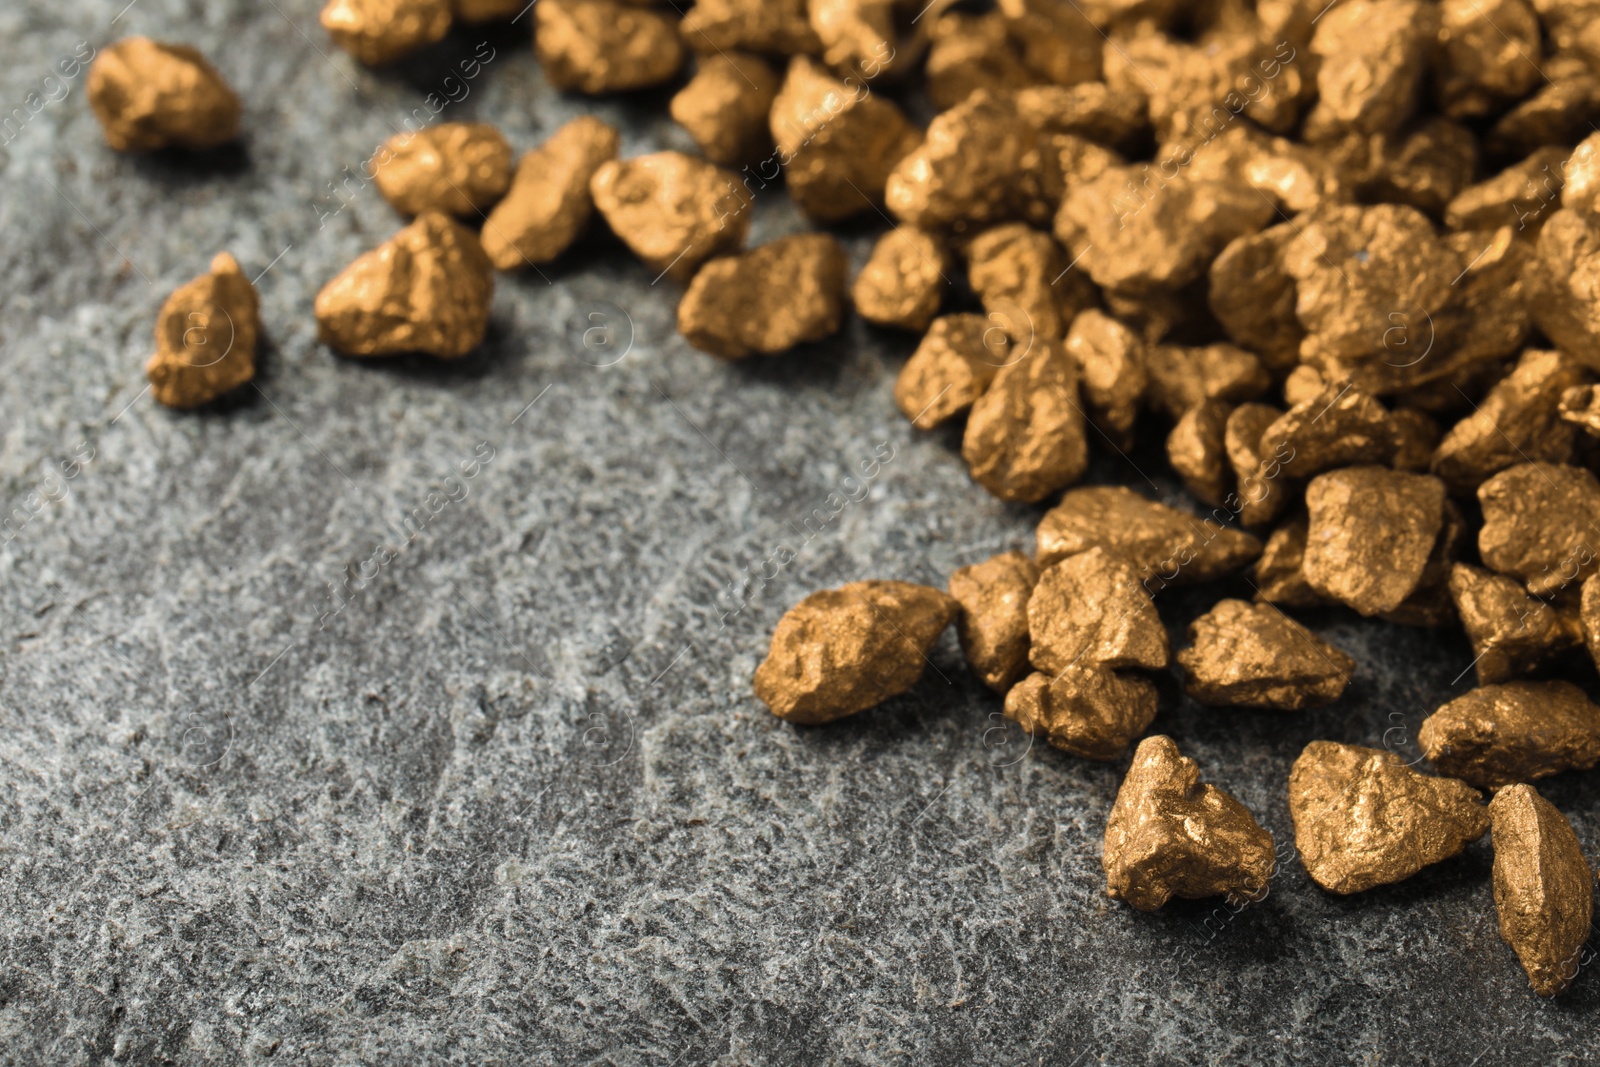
{"x":402,"y":842}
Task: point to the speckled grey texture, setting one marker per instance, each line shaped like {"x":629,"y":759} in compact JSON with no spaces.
{"x":515,"y":803}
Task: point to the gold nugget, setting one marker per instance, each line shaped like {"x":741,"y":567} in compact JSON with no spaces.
{"x":1543,"y":887}
{"x":904,"y":280}
{"x":993,"y":624}
{"x":1373,"y":53}
{"x":1166,"y":546}
{"x":1111,"y":365}
{"x":205,"y":337}
{"x":1518,"y":422}
{"x":1580,"y":406}
{"x":1262,"y":477}
{"x":969,"y":52}
{"x":1091,"y":609}
{"x":1511,"y":632}
{"x":549,"y":203}
{"x":1086,"y":711}
{"x":725,"y":106}
{"x":797,"y":282}
{"x":1014,"y":270}
{"x":605,"y":46}
{"x":1025,"y":435}
{"x":980,"y":164}
{"x":149,"y":95}
{"x":1170,"y":836}
{"x":1539,"y":525}
{"x":844,"y":650}
{"x":1564,"y":285}
{"x":1517,"y":732}
{"x":1197,"y":450}
{"x":1279,"y":576}
{"x":378,"y":32}
{"x":1340,"y":427}
{"x":1481,"y":55}
{"x":952,"y":367}
{"x":673,"y":210}
{"x":1362,"y":818}
{"x":1181,"y":377}
{"x":1590,"y":610}
{"x":459,"y":168}
{"x":427,"y":289}
{"x":775,"y":27}
{"x":1372,"y":533}
{"x":1254,"y":656}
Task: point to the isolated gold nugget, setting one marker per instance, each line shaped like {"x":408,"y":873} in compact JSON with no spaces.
{"x":725,"y":106}
{"x":772,"y":27}
{"x":549,"y":203}
{"x":427,"y":289}
{"x":1362,"y":818}
{"x":1181,"y":377}
{"x":904,"y":280}
{"x":844,"y":650}
{"x":993,"y":623}
{"x":1539,"y":525}
{"x":1517,"y":732}
{"x":1091,"y":609}
{"x":952,"y":367}
{"x":1543,"y":887}
{"x":149,"y":95}
{"x":1111,"y":366}
{"x":837,"y":143}
{"x":1165,"y":545}
{"x":1372,"y":532}
{"x":1197,"y":450}
{"x":673,"y":210}
{"x":1580,"y":406}
{"x":378,"y":32}
{"x":459,"y":168}
{"x":1025,"y":435}
{"x":1170,"y":836}
{"x":1254,"y":656}
{"x":1086,"y":711}
{"x":1511,"y":632}
{"x":205,"y":337}
{"x":797,"y":283}
{"x":605,"y":46}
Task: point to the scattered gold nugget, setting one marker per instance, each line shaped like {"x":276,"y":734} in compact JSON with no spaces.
{"x":1543,"y":887}
{"x":1517,"y":732}
{"x":1197,"y":450}
{"x":459,"y":168}
{"x":1362,"y":818}
{"x":993,"y":623}
{"x":904,"y":280}
{"x":605,"y":46}
{"x":205,"y":337}
{"x":1511,"y":632}
{"x":1564,"y":285}
{"x":673,"y":210}
{"x":1111,"y":366}
{"x":427,"y":289}
{"x":148,"y":95}
{"x":1170,"y":836}
{"x":1539,"y":525}
{"x":725,"y":106}
{"x":797,"y":282}
{"x":1254,"y":656}
{"x":1025,"y":435}
{"x":1086,"y":711}
{"x":1165,"y":545}
{"x":1279,"y":576}
{"x":1518,"y":422}
{"x":549,"y":203}
{"x":378,"y":32}
{"x":1181,"y":377}
{"x":952,"y":367}
{"x":1014,"y":270}
{"x":1372,"y":533}
{"x":844,"y":650}
{"x":1092,"y":609}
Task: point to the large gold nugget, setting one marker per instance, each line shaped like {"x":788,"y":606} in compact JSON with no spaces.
{"x":1170,"y":836}
{"x":797,"y":283}
{"x":1372,"y":531}
{"x":1539,"y":525}
{"x":1511,"y":632}
{"x":673,"y":210}
{"x":1025,"y":435}
{"x":952,"y":367}
{"x":1086,"y":711}
{"x":1091,"y":610}
{"x":378,"y":32}
{"x":427,"y":289}
{"x":605,"y":46}
{"x":1166,"y":546}
{"x":993,"y":624}
{"x":1373,"y":54}
{"x":1543,"y":887}
{"x":725,"y":106}
{"x":549,"y":203}
{"x":459,"y":168}
{"x":904,"y":280}
{"x":837,"y":144}
{"x":844,"y":650}
{"x":1517,"y":732}
{"x":149,"y":95}
{"x":1362,"y":818}
{"x":1481,"y":55}
{"x":1254,"y":656}
{"x":205,"y":337}
{"x":1518,"y":422}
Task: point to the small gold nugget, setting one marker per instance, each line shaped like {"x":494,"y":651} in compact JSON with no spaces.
{"x":1197,"y":450}
{"x":952,"y":367}
{"x":673,"y":210}
{"x":1538,"y":525}
{"x":1340,"y":427}
{"x":904,"y":280}
{"x":857,"y":35}
{"x":1254,"y":656}
{"x":725,"y":106}
{"x":1511,"y":632}
{"x":1170,"y":836}
{"x":1166,"y":546}
{"x":605,"y":46}
{"x":205,"y":337}
{"x":993,"y":624}
{"x":549,"y":203}
{"x":1580,"y":406}
{"x":149,"y":95}
{"x":1111,"y":363}
{"x":980,"y":164}
{"x":1362,"y":818}
{"x":1181,"y":377}
{"x":1091,"y":609}
{"x":459,"y":168}
{"x":1025,"y":436}
{"x":844,"y":650}
{"x":1543,"y":887}
{"x":1086,"y":711}
{"x":1278,"y":574}
{"x":1263,"y":481}
{"x":1517,"y":732}
{"x":1372,"y":533}
{"x":1013,"y":269}
{"x":427,"y":289}
{"x":797,"y":282}
{"x":378,"y":32}
{"x":1518,"y":422}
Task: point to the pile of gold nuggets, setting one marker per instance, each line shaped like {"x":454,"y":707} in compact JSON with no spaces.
{"x":1345,"y":254}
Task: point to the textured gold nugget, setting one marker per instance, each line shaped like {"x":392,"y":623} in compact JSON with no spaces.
{"x":1025,"y":435}
{"x":1362,"y":818}
{"x":459,"y":168}
{"x":725,"y":106}
{"x":378,"y":32}
{"x":605,"y":46}
{"x":844,"y":650}
{"x":1254,"y":656}
{"x":993,"y":624}
{"x":1165,"y":545}
{"x":1170,"y":836}
{"x":149,"y":95}
{"x":1543,"y":887}
{"x":549,"y":203}
{"x":1086,"y":711}
{"x":1539,"y":525}
{"x":1511,"y":632}
{"x":673,"y":210}
{"x":952,"y":367}
{"x":427,"y":289}
{"x":1372,"y":532}
{"x":797,"y":283}
{"x":205,"y":337}
{"x":904,"y":280}
{"x":1517,"y":732}
{"x":1091,"y":609}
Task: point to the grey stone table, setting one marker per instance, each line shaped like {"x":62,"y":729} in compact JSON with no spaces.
{"x":506,"y":797}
